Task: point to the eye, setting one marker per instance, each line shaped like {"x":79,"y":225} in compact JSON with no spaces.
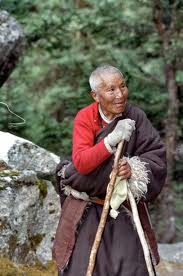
{"x":111,"y":90}
{"x":123,"y":85}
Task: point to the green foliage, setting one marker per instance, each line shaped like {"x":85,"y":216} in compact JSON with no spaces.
{"x":66,"y":41}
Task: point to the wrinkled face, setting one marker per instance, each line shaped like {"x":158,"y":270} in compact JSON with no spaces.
{"x":112,"y":94}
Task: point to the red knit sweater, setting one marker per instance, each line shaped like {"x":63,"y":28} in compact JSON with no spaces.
{"x":85,"y":155}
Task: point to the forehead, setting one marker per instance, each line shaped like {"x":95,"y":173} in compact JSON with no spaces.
{"x":108,"y":79}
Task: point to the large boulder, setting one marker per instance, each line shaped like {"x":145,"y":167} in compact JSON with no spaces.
{"x":22,"y":154}
{"x":12,"y":43}
{"x":30,"y":206}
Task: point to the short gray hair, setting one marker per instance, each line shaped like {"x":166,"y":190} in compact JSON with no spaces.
{"x":95,"y":78}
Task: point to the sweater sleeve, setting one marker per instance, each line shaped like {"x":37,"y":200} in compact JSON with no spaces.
{"x":86,"y":155}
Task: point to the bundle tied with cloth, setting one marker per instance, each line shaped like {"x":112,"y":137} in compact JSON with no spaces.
{"x":77,"y":192}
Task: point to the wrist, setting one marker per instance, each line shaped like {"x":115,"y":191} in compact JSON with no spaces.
{"x":109,"y":147}
{"x":110,"y":140}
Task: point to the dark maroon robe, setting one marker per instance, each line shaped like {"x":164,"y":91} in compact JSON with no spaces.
{"x":120,"y":251}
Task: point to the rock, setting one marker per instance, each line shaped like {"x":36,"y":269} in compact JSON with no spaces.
{"x":171,"y":256}
{"x":12,"y":43}
{"x":21,"y":154}
{"x":171,"y":252}
{"x":30,"y":206}
{"x":179,"y":151}
{"x":8,"y":268}
{"x":3,"y":165}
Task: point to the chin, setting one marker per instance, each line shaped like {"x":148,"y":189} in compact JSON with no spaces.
{"x":119,"y":110}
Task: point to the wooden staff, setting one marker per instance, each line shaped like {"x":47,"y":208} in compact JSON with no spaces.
{"x":104,"y":215}
{"x":140,"y":232}
{"x":105,"y":211}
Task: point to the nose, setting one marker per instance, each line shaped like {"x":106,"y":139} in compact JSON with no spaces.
{"x":119,"y":93}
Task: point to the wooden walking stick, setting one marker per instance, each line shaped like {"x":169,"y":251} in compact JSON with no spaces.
{"x":105,"y":211}
{"x":140,"y":232}
{"x":104,"y":215}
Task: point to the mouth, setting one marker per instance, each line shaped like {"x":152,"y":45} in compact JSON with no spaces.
{"x":120,"y":104}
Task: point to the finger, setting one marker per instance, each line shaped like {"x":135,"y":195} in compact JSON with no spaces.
{"x":123,"y":162}
{"x":126,"y":176}
{"x":124,"y":172}
{"x":123,"y":167}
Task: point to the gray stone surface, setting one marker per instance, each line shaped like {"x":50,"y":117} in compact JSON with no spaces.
{"x":171,"y":252}
{"x":179,"y":151}
{"x":12,"y":43}
{"x":21,"y":154}
{"x":29,"y":204}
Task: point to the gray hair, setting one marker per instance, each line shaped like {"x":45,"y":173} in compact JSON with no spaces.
{"x":96,"y":76}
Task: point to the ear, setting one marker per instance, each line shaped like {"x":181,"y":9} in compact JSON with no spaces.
{"x":94,"y":96}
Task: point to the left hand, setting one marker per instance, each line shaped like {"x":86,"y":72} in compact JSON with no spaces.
{"x":124,"y":169}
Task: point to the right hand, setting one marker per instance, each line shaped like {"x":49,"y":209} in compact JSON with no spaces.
{"x":123,"y":130}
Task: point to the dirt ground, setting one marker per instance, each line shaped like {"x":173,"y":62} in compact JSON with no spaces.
{"x":169,"y":269}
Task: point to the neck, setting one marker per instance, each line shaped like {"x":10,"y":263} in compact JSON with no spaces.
{"x":107,"y":117}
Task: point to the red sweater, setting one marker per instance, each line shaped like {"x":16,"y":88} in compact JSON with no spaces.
{"x":85,"y":155}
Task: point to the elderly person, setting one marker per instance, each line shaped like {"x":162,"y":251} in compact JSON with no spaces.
{"x":98,"y":128}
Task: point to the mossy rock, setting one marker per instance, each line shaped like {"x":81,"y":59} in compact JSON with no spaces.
{"x":3,"y":225}
{"x":35,"y":240}
{"x":9,"y":173}
{"x":12,"y":245}
{"x":43,"y":189}
{"x":3,"y":165}
{"x":8,"y":268}
{"x":31,"y":245}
